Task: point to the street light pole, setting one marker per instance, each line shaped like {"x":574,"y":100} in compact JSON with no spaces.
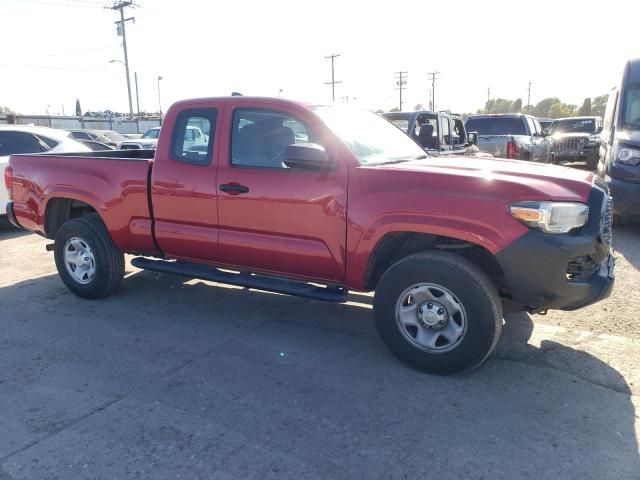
{"x":159,"y":99}
{"x":123,"y":28}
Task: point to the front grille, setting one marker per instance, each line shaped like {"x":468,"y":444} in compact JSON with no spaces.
{"x":570,"y":144}
{"x":606,"y":230}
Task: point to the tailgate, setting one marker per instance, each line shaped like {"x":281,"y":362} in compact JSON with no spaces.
{"x":496,"y":145}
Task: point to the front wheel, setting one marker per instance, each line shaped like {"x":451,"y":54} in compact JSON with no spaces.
{"x":88,"y":261}
{"x":438,"y":312}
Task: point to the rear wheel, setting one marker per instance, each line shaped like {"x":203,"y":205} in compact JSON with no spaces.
{"x":438,"y":312}
{"x":88,"y":261}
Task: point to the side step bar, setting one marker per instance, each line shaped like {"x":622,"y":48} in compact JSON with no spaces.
{"x":244,"y":279}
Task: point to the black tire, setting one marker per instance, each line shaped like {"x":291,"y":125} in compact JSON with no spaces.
{"x":108,"y":260}
{"x":475,"y":292}
{"x":592,"y":161}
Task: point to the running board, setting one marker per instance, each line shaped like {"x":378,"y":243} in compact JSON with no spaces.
{"x":244,"y":279}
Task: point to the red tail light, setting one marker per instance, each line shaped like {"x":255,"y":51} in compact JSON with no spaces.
{"x":8,"y":180}
{"x":512,"y":149}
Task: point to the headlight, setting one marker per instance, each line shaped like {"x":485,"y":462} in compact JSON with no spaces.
{"x":626,"y":155}
{"x":551,"y":217}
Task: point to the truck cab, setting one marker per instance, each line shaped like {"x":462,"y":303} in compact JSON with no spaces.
{"x":437,"y":132}
{"x":619,"y":152}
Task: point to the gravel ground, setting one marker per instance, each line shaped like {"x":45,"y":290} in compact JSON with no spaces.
{"x":175,"y":378}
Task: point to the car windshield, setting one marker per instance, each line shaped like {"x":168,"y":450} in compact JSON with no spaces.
{"x":153,"y":133}
{"x":371,"y":138}
{"x":115,"y":136}
{"x":497,"y":125}
{"x":400,"y":120}
{"x":581,"y":125}
{"x":631,"y":108}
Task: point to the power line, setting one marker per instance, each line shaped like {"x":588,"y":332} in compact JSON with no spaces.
{"x":58,"y":3}
{"x":333,"y":78}
{"x":46,"y":67}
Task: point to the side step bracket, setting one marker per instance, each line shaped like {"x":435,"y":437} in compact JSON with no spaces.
{"x":244,"y":279}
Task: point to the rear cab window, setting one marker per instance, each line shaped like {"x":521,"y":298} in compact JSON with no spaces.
{"x":193,"y":135}
{"x":497,"y":125}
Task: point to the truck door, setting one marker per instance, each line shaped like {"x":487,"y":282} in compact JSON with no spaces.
{"x":538,"y":142}
{"x":446,"y":137}
{"x":274,"y":218}
{"x":183,"y":185}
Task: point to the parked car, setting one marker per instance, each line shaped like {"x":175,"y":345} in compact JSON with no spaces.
{"x":30,"y":139}
{"x":84,"y":135}
{"x":437,"y":132}
{"x":577,"y":139}
{"x":131,"y":136}
{"x":115,"y":137}
{"x":511,"y":135}
{"x":96,"y":146}
{"x":349,"y":202}
{"x":147,"y":141}
{"x":545,"y":123}
{"x":619,"y":155}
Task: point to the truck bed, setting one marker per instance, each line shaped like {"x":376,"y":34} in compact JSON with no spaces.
{"x":114,"y":183}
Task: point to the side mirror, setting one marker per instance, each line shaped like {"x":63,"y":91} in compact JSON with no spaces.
{"x":599,"y":130}
{"x":546,"y":132}
{"x":307,"y":156}
{"x":472,"y":138}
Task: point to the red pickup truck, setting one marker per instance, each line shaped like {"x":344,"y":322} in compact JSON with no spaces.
{"x":314,"y":201}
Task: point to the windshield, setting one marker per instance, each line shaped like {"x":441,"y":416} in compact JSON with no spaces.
{"x":153,"y":133}
{"x":400,"y":120}
{"x":115,"y":136}
{"x":370,"y":137}
{"x":574,"y":126}
{"x":631,"y":108}
{"x":497,"y":125}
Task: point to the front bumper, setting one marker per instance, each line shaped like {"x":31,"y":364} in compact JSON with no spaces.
{"x":626,"y":197}
{"x":11,"y":216}
{"x":576,"y":154}
{"x":562,"y":272}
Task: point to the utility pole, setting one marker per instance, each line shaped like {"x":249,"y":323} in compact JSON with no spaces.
{"x":122,"y":29}
{"x":529,"y":97}
{"x":135,"y":76}
{"x":333,"y":77}
{"x":488,"y":94}
{"x":159,"y":100}
{"x":433,"y":88}
{"x":401,"y":81}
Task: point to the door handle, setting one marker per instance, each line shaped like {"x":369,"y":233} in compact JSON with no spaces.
{"x":233,"y":188}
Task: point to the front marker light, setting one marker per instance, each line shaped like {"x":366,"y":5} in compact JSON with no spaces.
{"x":551,"y":217}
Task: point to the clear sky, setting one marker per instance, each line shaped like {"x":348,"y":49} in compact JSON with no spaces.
{"x":56,"y":50}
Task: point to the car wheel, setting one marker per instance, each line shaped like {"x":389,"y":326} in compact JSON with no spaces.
{"x":438,"y":312}
{"x":88,"y":261}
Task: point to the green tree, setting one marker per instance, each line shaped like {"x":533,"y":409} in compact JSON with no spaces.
{"x":395,"y":109}
{"x":598,"y":105}
{"x":78,"y":109}
{"x":585,"y":109}
{"x":418,"y":107}
{"x":498,"y":105}
{"x":543,"y":106}
{"x":5,"y":110}
{"x":561,"y":110}
{"x":517,"y":106}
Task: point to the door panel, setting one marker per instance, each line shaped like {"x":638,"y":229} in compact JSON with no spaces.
{"x":184,"y":192}
{"x":274,"y":218}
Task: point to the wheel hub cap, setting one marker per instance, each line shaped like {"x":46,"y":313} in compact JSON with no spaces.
{"x":79,"y":260}
{"x":432,"y":315}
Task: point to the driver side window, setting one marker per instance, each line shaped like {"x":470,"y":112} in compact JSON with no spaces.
{"x":260,"y":137}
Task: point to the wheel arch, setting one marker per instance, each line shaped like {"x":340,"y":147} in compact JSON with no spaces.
{"x":394,"y":246}
{"x":59,"y":209}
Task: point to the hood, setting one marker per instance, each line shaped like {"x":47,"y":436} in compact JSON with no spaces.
{"x":513,"y":179}
{"x":630,"y":137}
{"x":558,"y":135}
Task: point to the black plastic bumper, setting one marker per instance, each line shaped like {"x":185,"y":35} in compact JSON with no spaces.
{"x":562,"y":272}
{"x":11,"y":216}
{"x":626,"y":197}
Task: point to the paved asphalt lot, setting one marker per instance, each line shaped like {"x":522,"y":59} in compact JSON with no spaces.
{"x":184,"y":379}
